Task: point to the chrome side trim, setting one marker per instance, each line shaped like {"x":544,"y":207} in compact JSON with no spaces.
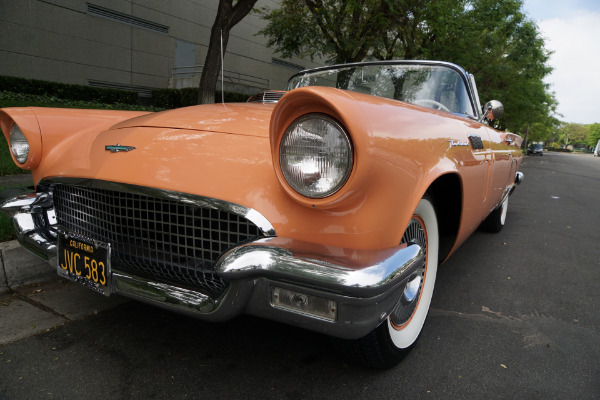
{"x":475,"y":95}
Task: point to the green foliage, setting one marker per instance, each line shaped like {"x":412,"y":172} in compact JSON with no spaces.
{"x":338,"y":31}
{"x":578,"y":135}
{"x":509,"y":61}
{"x":7,"y":230}
{"x":19,"y":92}
{"x":66,"y":91}
{"x":9,"y":99}
{"x":493,"y":39}
{"x":594,"y":135}
{"x":573,"y":134}
{"x":175,"y":98}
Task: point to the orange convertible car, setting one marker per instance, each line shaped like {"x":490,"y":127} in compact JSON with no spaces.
{"x":328,"y":206}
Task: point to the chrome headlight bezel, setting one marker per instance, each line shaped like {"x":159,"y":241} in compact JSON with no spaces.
{"x":316,"y":156}
{"x":19,"y":146}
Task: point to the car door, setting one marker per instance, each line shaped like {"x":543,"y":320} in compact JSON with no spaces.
{"x":503,"y":163}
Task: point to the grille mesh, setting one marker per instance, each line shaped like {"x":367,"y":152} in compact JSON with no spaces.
{"x":269,"y":96}
{"x":162,"y":239}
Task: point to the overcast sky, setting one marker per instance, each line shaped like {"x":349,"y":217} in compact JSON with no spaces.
{"x":572,"y":30}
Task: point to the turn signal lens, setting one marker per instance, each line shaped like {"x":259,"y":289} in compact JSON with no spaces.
{"x":18,"y":144}
{"x":315,"y":156}
{"x":317,"y":307}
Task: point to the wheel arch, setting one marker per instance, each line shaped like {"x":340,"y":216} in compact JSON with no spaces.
{"x":446,"y":194}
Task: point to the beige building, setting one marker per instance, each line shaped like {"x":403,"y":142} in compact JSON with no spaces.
{"x":133,"y":44}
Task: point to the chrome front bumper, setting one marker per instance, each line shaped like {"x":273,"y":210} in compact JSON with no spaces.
{"x":364,"y":285}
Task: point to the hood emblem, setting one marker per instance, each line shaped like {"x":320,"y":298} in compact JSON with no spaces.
{"x":117,"y":148}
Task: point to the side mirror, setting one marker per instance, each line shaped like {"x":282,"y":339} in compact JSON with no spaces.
{"x":492,"y":111}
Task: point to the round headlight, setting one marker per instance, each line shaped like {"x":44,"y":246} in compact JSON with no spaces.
{"x":315,"y":156}
{"x":18,"y":144}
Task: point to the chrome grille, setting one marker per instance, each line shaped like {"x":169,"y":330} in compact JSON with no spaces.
{"x":163,"y":239}
{"x":269,"y":96}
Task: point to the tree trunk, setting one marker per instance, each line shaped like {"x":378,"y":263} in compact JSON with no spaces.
{"x":228,"y":16}
{"x":212,"y":66}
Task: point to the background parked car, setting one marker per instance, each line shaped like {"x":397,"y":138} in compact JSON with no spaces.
{"x":535,"y":148}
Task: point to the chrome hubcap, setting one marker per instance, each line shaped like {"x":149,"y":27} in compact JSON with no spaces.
{"x":412,"y":289}
{"x":415,"y":234}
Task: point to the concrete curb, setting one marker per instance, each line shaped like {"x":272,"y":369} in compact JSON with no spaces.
{"x":19,"y":267}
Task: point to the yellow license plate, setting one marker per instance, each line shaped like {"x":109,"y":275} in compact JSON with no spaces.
{"x":85,"y":261}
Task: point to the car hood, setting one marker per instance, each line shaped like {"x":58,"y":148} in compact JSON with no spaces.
{"x":251,"y":119}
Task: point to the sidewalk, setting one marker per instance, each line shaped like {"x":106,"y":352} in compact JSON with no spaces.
{"x":35,"y":308}
{"x":33,"y":299}
{"x":19,"y":267}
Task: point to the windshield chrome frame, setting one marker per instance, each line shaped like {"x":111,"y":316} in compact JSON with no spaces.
{"x":469,"y":83}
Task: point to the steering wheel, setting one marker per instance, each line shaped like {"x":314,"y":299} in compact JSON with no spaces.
{"x":432,"y":104}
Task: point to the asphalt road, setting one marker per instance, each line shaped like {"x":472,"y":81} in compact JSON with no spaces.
{"x":514,"y":315}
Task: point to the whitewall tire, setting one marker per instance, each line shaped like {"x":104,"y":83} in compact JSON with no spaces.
{"x":387,"y":345}
{"x":404,"y":331}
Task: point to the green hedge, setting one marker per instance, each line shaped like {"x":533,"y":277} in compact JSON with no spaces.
{"x":67,"y":91}
{"x":9,"y":99}
{"x":161,"y":98}
{"x":175,"y":98}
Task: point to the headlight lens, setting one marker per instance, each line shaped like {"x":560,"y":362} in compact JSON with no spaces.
{"x":315,"y":156}
{"x":18,"y":144}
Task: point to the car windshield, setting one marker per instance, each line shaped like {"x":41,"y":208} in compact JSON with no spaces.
{"x":434,"y":86}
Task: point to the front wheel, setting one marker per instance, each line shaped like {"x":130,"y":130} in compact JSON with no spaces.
{"x":387,"y":345}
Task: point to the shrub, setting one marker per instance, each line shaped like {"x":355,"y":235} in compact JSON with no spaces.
{"x":9,"y":99}
{"x":66,"y":91}
{"x":161,"y":98}
{"x":175,"y":98}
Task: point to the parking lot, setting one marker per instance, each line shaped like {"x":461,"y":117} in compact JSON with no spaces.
{"x":514,"y":315}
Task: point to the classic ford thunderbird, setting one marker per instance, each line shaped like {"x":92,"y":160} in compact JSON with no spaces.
{"x":328,"y":206}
